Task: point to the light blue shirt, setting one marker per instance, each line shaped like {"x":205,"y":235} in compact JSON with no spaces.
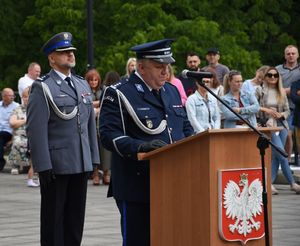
{"x":201,"y":114}
{"x":248,"y":112}
{"x":5,"y":112}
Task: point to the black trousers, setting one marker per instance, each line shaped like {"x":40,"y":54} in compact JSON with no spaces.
{"x":135,"y":223}
{"x":4,"y":138}
{"x":63,"y":210}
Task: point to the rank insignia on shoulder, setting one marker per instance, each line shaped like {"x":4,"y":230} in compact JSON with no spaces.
{"x":43,"y":77}
{"x":178,"y":106}
{"x":139,"y":87}
{"x":78,"y":76}
{"x":149,"y":123}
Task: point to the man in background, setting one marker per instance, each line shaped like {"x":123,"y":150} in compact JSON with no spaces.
{"x":212,"y":58}
{"x":290,"y":72}
{"x":33,"y":72}
{"x":193,"y":64}
{"x":7,"y":105}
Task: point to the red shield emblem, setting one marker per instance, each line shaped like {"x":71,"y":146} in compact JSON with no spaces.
{"x":241,"y":215}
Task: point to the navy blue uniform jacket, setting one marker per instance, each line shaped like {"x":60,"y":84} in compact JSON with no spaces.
{"x":121,"y":135}
{"x":296,"y":100}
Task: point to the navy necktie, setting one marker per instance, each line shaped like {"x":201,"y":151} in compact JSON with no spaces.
{"x":156,"y":93}
{"x":68,"y":79}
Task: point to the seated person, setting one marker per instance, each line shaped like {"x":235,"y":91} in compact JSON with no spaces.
{"x":18,"y":156}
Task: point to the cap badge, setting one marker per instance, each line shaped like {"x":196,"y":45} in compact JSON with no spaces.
{"x":66,"y":36}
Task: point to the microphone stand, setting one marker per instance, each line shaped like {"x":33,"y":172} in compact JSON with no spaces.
{"x":263,"y":143}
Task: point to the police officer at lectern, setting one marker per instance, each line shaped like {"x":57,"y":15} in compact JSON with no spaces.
{"x":62,"y":138}
{"x":140,"y":114}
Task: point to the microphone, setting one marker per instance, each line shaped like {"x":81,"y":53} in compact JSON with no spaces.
{"x":196,"y":75}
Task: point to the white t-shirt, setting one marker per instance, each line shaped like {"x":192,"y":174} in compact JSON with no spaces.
{"x":23,"y":83}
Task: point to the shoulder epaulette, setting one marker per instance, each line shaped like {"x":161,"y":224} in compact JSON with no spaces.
{"x":43,"y":77}
{"x":78,"y":76}
{"x":119,"y":83}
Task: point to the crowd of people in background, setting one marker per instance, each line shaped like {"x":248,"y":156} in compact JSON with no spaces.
{"x":96,"y":128}
{"x":264,"y":100}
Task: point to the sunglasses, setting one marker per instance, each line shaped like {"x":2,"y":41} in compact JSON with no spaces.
{"x":270,"y":75}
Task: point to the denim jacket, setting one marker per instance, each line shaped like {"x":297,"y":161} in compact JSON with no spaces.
{"x":198,"y":113}
{"x":248,"y":112}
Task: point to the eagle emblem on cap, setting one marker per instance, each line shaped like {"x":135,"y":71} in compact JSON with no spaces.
{"x":66,"y":36}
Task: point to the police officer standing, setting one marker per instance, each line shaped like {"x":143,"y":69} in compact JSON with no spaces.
{"x":62,"y":137}
{"x":140,"y":114}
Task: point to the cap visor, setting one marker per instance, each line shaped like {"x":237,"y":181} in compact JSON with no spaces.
{"x":165,"y":60}
{"x":66,"y":48}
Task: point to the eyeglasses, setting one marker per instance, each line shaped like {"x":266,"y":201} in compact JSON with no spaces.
{"x":270,"y":75}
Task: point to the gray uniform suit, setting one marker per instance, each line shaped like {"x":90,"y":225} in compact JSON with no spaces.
{"x":65,"y":149}
{"x":66,"y":146}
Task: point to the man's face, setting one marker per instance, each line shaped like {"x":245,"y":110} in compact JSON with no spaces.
{"x":8,"y":96}
{"x":154,"y":73}
{"x":291,"y":55}
{"x":212,"y":58}
{"x":193,"y":63}
{"x":34,"y":72}
{"x":62,"y":60}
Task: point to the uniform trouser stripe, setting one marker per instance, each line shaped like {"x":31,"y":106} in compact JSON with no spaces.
{"x":124,"y":222}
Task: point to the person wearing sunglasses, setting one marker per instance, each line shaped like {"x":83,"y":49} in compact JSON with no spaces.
{"x":274,"y":107}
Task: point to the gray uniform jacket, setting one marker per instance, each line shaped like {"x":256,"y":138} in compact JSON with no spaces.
{"x":66,"y":146}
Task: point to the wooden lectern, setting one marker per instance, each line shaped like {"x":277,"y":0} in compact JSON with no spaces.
{"x":184,"y":185}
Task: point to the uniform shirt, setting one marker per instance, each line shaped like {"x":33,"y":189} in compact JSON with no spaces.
{"x":120,"y":133}
{"x":5,"y":113}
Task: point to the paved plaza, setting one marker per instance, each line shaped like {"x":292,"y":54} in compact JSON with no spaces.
{"x":20,"y":205}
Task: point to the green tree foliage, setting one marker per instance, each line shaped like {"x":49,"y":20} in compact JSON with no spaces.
{"x":248,"y":33}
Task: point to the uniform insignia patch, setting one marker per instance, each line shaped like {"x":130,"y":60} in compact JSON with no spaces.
{"x":149,"y":123}
{"x":139,"y":87}
{"x":109,"y":98}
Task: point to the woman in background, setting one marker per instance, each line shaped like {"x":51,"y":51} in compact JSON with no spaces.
{"x":202,"y":109}
{"x":94,"y":80}
{"x":130,"y":67}
{"x":274,"y":107}
{"x":175,"y":81}
{"x":241,"y":102}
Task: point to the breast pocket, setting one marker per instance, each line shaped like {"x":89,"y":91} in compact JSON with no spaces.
{"x":65,"y":104}
{"x":88,"y":100}
{"x":148,"y":118}
{"x":179,"y":112}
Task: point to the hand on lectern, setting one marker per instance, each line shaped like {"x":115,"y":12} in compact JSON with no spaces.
{"x":152,"y":145}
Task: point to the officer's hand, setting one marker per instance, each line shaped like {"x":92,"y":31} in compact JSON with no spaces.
{"x":46,"y":177}
{"x":152,"y":145}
